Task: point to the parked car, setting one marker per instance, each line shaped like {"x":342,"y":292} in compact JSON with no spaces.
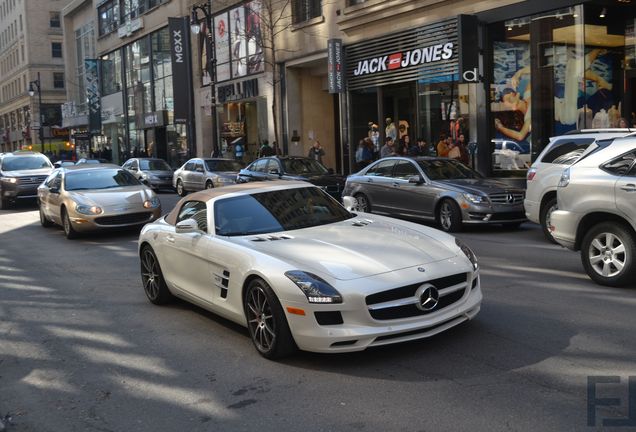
{"x":95,"y":197}
{"x":63,"y":162}
{"x":544,"y":174}
{"x":83,"y":161}
{"x":205,"y":173}
{"x":154,"y":172}
{"x":299,"y":270}
{"x":294,"y":168}
{"x":21,"y":172}
{"x":510,"y":155}
{"x":434,"y":189}
{"x":597,"y":212}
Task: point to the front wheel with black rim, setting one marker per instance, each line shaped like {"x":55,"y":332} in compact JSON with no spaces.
{"x":44,"y":221}
{"x":545,"y":215}
{"x":449,"y":216}
{"x":152,"y":278}
{"x":362,"y":203}
{"x":69,"y":231}
{"x":266,"y":321}
{"x":608,"y":251}
{"x":180,"y":189}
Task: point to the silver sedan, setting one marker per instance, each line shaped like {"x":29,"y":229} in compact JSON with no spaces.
{"x":205,"y":173}
{"x":435,"y":189}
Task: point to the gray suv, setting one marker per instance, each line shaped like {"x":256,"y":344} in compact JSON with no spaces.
{"x":21,"y":172}
{"x":596,"y":198}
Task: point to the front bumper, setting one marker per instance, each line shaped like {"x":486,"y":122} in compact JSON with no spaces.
{"x":110,"y":220}
{"x":359,"y":330}
{"x":563,"y":226}
{"x":492,"y":214}
{"x":18,"y":191}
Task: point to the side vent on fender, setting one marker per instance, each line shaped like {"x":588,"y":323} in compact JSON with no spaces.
{"x":361,"y":222}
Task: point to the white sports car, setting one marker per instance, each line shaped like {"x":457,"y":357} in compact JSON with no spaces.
{"x":300,"y":271}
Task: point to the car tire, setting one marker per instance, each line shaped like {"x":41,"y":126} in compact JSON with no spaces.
{"x":449,"y":216}
{"x":69,"y":231}
{"x":44,"y":221}
{"x":363,"y":203}
{"x":209,"y":185}
{"x":152,"y":279}
{"x":266,"y":321}
{"x":180,"y":189}
{"x":544,"y":218}
{"x":603,"y":264}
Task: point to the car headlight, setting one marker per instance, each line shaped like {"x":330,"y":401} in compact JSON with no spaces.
{"x":476,"y":199}
{"x":88,"y":210}
{"x":9,"y":179}
{"x":468,"y":252}
{"x":152,"y":203}
{"x":314,"y":287}
{"x":565,"y":178}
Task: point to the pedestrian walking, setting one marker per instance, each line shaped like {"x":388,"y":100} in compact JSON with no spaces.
{"x":316,"y":152}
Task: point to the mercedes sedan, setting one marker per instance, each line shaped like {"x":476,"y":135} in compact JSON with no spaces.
{"x":205,"y":173}
{"x":90,"y":197}
{"x":435,"y":189}
{"x":298,"y":270}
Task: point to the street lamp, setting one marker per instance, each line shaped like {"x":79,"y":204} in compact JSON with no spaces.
{"x":195,"y":27}
{"x":33,"y":86}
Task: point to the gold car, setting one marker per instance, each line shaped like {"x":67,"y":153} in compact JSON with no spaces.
{"x":93,"y":197}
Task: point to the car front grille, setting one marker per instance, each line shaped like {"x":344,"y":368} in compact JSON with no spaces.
{"x":124,"y":219}
{"x":33,"y":180}
{"x":510,"y":198}
{"x":401,"y":302}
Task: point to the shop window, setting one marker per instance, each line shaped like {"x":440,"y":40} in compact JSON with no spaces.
{"x":304,"y":10}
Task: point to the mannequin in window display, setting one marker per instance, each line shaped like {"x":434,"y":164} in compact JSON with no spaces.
{"x":390,"y":130}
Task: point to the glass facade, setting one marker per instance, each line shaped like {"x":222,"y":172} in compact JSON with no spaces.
{"x":562,"y":70}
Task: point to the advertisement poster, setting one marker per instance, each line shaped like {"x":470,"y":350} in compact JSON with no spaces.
{"x":222,"y":42}
{"x":238,"y":42}
{"x":254,"y":36}
{"x":91,"y":78}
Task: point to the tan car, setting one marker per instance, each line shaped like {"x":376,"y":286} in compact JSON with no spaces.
{"x":86,"y":198}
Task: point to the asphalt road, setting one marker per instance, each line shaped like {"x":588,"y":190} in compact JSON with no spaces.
{"x":81,"y":349}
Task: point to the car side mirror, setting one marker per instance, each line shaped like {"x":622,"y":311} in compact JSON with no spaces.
{"x":145,"y":181}
{"x":54,"y":190}
{"x":187,"y":226}
{"x":274,"y":171}
{"x":416,"y":179}
{"x":134,"y":169}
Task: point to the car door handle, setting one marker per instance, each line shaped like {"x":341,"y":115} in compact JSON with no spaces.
{"x":370,"y":180}
{"x":629,"y":188}
{"x":170,"y":239}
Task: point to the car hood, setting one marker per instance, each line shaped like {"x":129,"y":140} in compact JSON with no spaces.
{"x":116,"y":198}
{"x":27,"y":173}
{"x":354,"y":248}
{"x":159,"y":172}
{"x":475,"y":186}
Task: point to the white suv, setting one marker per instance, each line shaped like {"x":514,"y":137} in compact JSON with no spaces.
{"x":544,"y":174}
{"x":597,"y":211}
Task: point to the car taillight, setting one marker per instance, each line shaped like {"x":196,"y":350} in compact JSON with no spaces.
{"x":531,"y":173}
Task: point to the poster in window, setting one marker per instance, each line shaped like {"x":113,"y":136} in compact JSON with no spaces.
{"x":222,"y":42}
{"x":254,"y":36}
{"x":237,"y":42}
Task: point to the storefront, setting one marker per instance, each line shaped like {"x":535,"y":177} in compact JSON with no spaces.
{"x":419,"y":82}
{"x":555,"y":71}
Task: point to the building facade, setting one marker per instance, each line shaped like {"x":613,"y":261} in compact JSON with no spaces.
{"x":31,"y":57}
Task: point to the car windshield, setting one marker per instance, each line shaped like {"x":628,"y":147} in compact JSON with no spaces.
{"x":154,"y":165}
{"x":446,"y":169}
{"x":276,"y":211}
{"x":223,"y":165}
{"x":18,"y":163}
{"x":98,"y":179}
{"x":303,"y":167}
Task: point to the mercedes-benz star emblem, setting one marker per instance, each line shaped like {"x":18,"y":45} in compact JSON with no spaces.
{"x":421,"y":269}
{"x":428,"y":297}
{"x":510,"y":198}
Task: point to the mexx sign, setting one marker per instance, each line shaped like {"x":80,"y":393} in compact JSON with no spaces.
{"x":181,"y":69}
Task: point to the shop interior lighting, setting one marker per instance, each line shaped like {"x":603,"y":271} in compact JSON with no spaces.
{"x":603,"y":13}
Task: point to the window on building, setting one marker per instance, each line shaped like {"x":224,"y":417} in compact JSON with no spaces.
{"x":58,"y":80}
{"x":355,"y":2}
{"x":108,"y":17}
{"x":304,"y":10}
{"x":111,"y":73}
{"x":56,"y":49}
{"x":54,"y":20}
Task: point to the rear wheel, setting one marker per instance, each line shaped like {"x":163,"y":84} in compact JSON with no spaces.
{"x":545,"y":216}
{"x":266,"y":321}
{"x":68,"y":227}
{"x":180,"y":189}
{"x":44,"y":220}
{"x":152,"y":278}
{"x":363,"y":203}
{"x":449,"y":216}
{"x":209,"y":185}
{"x":608,"y":252}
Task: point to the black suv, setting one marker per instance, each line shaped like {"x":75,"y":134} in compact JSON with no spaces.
{"x":21,"y":172}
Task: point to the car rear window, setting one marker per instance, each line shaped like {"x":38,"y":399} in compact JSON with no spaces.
{"x":566,"y":150}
